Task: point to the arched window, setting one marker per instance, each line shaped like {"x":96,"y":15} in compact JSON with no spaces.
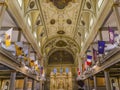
{"x":99,"y":3}
{"x":20,"y":2}
{"x":29,"y":21}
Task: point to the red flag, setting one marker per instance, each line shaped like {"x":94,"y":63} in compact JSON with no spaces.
{"x":86,"y":65}
{"x":78,"y":70}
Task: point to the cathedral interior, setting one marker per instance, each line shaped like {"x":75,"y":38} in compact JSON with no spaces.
{"x":59,"y":44}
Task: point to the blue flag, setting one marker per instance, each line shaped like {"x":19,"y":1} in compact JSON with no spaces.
{"x":89,"y":60}
{"x":101,"y":46}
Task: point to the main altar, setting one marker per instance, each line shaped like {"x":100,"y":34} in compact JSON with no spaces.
{"x":61,"y":81}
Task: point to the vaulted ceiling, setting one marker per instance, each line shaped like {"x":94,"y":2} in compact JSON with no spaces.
{"x":60,"y":24}
{"x":56,"y":21}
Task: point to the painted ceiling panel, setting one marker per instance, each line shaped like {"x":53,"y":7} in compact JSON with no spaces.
{"x":57,"y":19}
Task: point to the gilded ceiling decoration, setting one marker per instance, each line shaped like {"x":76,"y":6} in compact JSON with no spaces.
{"x":69,"y":21}
{"x":60,"y":32}
{"x":58,"y":43}
{"x":61,"y":21}
{"x":32,"y":4}
{"x":61,"y":43}
{"x":52,"y":21}
{"x":60,"y":4}
{"x":62,"y":27}
{"x":88,"y":5}
{"x":61,"y":57}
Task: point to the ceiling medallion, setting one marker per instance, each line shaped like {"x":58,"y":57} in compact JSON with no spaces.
{"x":83,"y":23}
{"x":79,"y":33}
{"x":60,"y":4}
{"x":42,"y":34}
{"x":69,"y":21}
{"x":32,"y":4}
{"x":52,"y":21}
{"x":61,"y":32}
{"x":38,"y":22}
{"x":88,"y":4}
{"x":61,"y":43}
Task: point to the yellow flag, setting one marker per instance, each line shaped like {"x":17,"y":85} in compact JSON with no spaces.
{"x":26,"y":58}
{"x":36,"y":67}
{"x":8,"y":37}
{"x":32,"y":63}
{"x":19,"y":50}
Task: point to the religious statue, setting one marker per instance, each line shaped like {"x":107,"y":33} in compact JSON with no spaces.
{"x":61,"y":85}
{"x":61,"y":81}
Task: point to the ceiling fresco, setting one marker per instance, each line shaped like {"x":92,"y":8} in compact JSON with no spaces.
{"x":60,"y":4}
{"x":61,"y":57}
{"x":60,"y":24}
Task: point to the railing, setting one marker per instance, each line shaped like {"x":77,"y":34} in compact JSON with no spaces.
{"x":9,"y":55}
{"x":109,"y":55}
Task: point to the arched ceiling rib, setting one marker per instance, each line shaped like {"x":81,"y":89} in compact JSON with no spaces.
{"x":60,"y":18}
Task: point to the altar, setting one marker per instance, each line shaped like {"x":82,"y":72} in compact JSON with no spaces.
{"x":61,"y":81}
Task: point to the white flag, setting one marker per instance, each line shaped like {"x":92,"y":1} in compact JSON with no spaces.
{"x":8,"y":37}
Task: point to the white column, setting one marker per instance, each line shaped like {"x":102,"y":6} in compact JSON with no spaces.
{"x":25,"y":86}
{"x":12,"y":81}
{"x":107,"y":80}
{"x":33,"y":84}
{"x":88,"y":84}
{"x":95,"y":82}
{"x":118,"y":80}
{"x":41,"y":85}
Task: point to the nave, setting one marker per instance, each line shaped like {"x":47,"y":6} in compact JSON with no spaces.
{"x":59,"y":44}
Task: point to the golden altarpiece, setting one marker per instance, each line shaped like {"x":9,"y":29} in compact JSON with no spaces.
{"x":61,"y":81}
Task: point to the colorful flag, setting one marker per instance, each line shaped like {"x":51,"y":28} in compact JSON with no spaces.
{"x":8,"y":37}
{"x":78,"y":70}
{"x":26,"y":52}
{"x":19,"y":48}
{"x":32,"y":63}
{"x":117,"y":38}
{"x":41,"y":70}
{"x":111,"y":35}
{"x":94,"y":55}
{"x":89,"y":57}
{"x":101,"y":46}
{"x":85,"y":65}
{"x":89,"y":60}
